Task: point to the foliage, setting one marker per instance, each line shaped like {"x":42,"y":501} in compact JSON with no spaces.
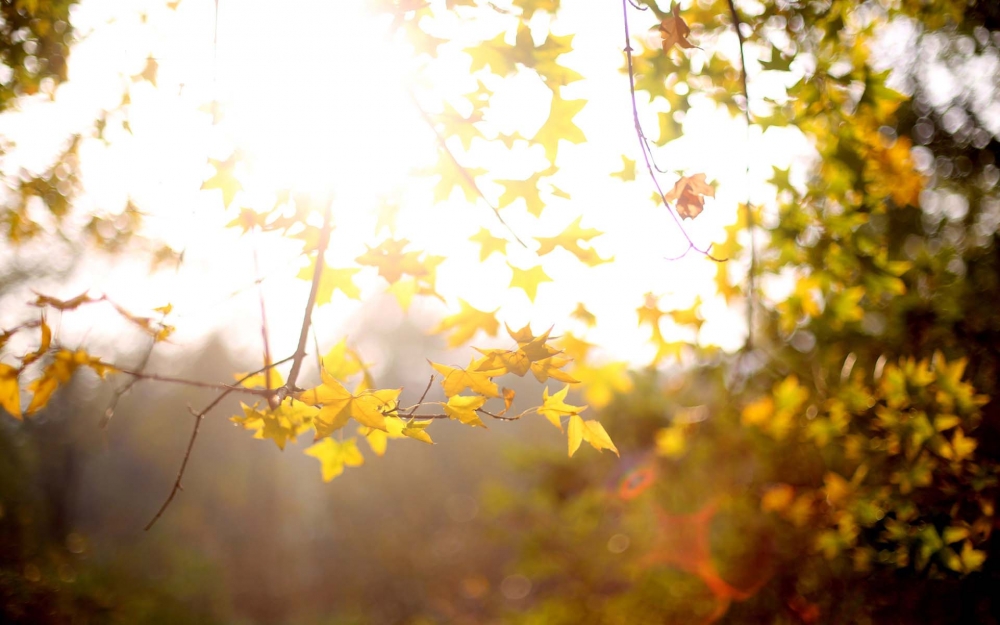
{"x":854,"y":438}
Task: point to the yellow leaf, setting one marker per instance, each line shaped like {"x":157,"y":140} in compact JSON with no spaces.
{"x":560,"y":126}
{"x":332,"y":279}
{"x":457,"y":380}
{"x":10,"y":394}
{"x":464,"y":325}
{"x":554,"y":408}
{"x":574,"y":433}
{"x":334,"y":456}
{"x":628,"y":171}
{"x":528,"y":279}
{"x":548,"y":368}
{"x":569,"y":239}
{"x":595,"y":434}
{"x":489,"y":244}
{"x":464,"y":408}
{"x":46,"y":341}
{"x":582,"y":314}
{"x":417,"y":431}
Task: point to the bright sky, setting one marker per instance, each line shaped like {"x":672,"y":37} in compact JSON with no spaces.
{"x":315,"y":94}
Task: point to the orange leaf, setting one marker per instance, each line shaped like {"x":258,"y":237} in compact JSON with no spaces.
{"x":689,"y":193}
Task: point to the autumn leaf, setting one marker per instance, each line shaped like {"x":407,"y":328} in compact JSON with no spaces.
{"x":560,"y":126}
{"x":488,"y":244}
{"x":554,"y":408}
{"x":464,"y":407}
{"x":689,"y":193}
{"x":569,"y":239}
{"x":10,"y":394}
{"x":591,"y":431}
{"x":367,"y":407}
{"x":417,"y":430}
{"x":43,"y":347}
{"x":580,"y":313}
{"x":674,"y":31}
{"x":330,"y":280}
{"x":528,"y":279}
{"x":224,"y":179}
{"x":334,"y":456}
{"x":457,"y":380}
{"x":628,"y":171}
{"x":392,"y":261}
{"x":552,"y":368}
{"x":464,"y":324}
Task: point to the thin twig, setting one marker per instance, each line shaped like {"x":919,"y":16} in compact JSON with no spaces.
{"x":263,"y":315}
{"x":139,"y":375}
{"x":198,"y":418}
{"x":645,"y":149}
{"x":421,"y":400}
{"x":750,"y":225}
{"x":461,"y":168}
{"x":109,"y":413}
{"x":324,"y":242}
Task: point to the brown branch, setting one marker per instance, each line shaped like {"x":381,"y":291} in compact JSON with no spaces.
{"x":109,"y":412}
{"x":263,"y":316}
{"x":172,"y":380}
{"x":421,"y":400}
{"x":198,"y":417}
{"x":300,"y":351}
{"x":461,"y":168}
{"x":751,"y":278}
{"x":645,"y":148}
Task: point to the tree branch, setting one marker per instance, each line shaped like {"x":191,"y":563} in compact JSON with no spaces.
{"x":751,"y":277}
{"x":324,"y":242}
{"x":198,"y":417}
{"x":645,"y":148}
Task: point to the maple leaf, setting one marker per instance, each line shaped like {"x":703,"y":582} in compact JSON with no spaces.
{"x":552,"y":368}
{"x":628,"y":171}
{"x":591,"y":431}
{"x":489,"y":244}
{"x":392,"y":261}
{"x":575,"y":348}
{"x":554,"y":408}
{"x":43,"y":347}
{"x":568,"y":240}
{"x":224,"y":179}
{"x":264,"y":379}
{"x":366,"y":407}
{"x":560,"y":126}
{"x":457,"y":380}
{"x":10,"y":394}
{"x":689,"y":193}
{"x":580,"y":313}
{"x":334,"y":456}
{"x":674,"y":31}
{"x":342,"y":361}
{"x":463,"y":408}
{"x":59,"y":371}
{"x":528,"y":279}
{"x":464,"y":325}
{"x":379,"y":440}
{"x":528,"y":190}
{"x":417,"y":431}
{"x":330,"y":280}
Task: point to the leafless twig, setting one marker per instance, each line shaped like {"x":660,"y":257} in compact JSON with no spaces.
{"x":198,"y":418}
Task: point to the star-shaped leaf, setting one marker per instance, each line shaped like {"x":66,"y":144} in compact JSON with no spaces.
{"x":528,"y":279}
{"x":334,"y":456}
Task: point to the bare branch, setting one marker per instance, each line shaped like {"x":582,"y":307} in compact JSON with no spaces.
{"x":751,"y":277}
{"x":198,"y":418}
{"x":324,"y":242}
{"x":645,"y":148}
{"x":462,"y":169}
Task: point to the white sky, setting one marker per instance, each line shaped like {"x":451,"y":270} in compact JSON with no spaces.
{"x":316,"y":96}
